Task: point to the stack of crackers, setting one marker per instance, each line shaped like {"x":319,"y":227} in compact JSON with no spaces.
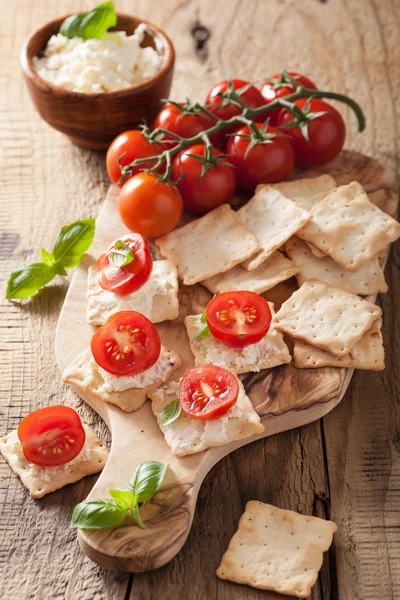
{"x":333,"y":239}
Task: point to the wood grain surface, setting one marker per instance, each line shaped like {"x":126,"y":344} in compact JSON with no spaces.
{"x":345,"y":467}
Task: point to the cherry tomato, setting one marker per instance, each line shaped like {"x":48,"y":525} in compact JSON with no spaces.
{"x":273,"y":89}
{"x":238,"y":318}
{"x":131,"y":277}
{"x":129,"y":146}
{"x":51,"y":436}
{"x":327,"y":134}
{"x":266,"y":162}
{"x":202,"y":194}
{"x":251,"y":97}
{"x":127,"y":344}
{"x":149,"y":208}
{"x":208,"y":392}
{"x":185,"y":125}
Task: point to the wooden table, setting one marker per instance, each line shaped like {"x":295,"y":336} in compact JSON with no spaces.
{"x":345,"y":467}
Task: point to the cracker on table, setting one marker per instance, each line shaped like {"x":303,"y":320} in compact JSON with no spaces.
{"x":367,"y":354}
{"x":40,"y":481}
{"x":269,"y":352}
{"x":314,"y":250}
{"x":276,"y":549}
{"x":369,"y":279}
{"x":326,"y":316}
{"x":273,"y":219}
{"x":89,"y":384}
{"x":187,"y":435}
{"x":348,"y":227}
{"x":210,"y":245}
{"x":275,"y":269}
{"x":314,"y":188}
{"x":157,"y":299}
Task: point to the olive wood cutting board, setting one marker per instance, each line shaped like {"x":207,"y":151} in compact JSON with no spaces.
{"x":284,"y":397}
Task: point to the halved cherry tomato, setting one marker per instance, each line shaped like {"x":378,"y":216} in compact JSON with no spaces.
{"x":185,"y":125}
{"x":202,"y":193}
{"x":273,"y":89}
{"x":208,"y":392}
{"x":51,"y":436}
{"x":131,"y":277}
{"x":128,"y":146}
{"x":127,"y":344}
{"x":326,"y":132}
{"x":238,"y":318}
{"x":149,"y":208}
{"x":269,"y":161}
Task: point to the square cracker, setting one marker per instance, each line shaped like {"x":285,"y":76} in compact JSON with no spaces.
{"x":369,"y":279}
{"x":273,"y":219}
{"x":326,"y":316}
{"x":275,"y":269}
{"x":276,"y":549}
{"x":157,"y":299}
{"x":269,"y":352}
{"x":348,"y":227}
{"x":187,"y":435}
{"x":87,"y":380}
{"x":40,"y":481}
{"x":210,"y":245}
{"x":367,"y":354}
{"x":305,"y":192}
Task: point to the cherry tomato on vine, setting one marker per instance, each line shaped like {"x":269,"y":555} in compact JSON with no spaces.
{"x":217,"y":105}
{"x":203,"y":193}
{"x":183,"y":124}
{"x":129,"y":146}
{"x":51,"y":436}
{"x":128,"y":278}
{"x":266,"y":162}
{"x":238,"y":318}
{"x":274,"y":88}
{"x":149,"y":208}
{"x":208,"y":392}
{"x":326,"y":132}
{"x":127,"y":344}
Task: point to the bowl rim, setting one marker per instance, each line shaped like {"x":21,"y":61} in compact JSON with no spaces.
{"x":30,"y":72}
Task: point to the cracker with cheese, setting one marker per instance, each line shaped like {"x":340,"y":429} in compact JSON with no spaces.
{"x":40,"y":481}
{"x":157,"y":299}
{"x":210,"y":245}
{"x":187,"y":435}
{"x":273,"y":219}
{"x":92,"y":383}
{"x":276,"y":549}
{"x":269,"y":352}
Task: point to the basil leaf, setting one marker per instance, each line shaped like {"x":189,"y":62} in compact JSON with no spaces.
{"x":97,"y":513}
{"x":30,"y":279}
{"x":171,"y":412}
{"x":146,"y":479}
{"x":47,"y":257}
{"x":121,"y":255}
{"x":73,"y":241}
{"x":91,"y":25}
{"x":124,"y":498}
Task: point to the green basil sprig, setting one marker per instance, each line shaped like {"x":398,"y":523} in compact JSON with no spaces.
{"x":204,"y":330}
{"x":69,"y":247}
{"x":171,"y":412}
{"x":121,"y":255}
{"x":91,"y":25}
{"x":144,"y":482}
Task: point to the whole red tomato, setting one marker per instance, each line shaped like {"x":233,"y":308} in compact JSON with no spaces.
{"x":326,"y":133}
{"x":185,"y":122}
{"x":129,"y":146}
{"x":275,"y":88}
{"x":268,"y":161}
{"x":224,"y":109}
{"x":202,"y":193}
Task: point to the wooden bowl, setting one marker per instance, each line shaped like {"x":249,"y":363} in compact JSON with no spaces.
{"x":93,"y":120}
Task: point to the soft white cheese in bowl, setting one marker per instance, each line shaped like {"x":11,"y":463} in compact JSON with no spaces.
{"x":115,"y":62}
